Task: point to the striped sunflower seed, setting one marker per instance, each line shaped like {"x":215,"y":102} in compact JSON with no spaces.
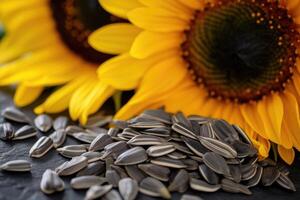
{"x":218,"y":147}
{"x":209,"y":175}
{"x":183,"y":130}
{"x":112,"y":132}
{"x":134,"y":172}
{"x":158,"y":115}
{"x":60,"y":122}
{"x":132,"y":156}
{"x":113,"y":194}
{"x":100,"y":142}
{"x":85,"y":182}
{"x":158,"y":172}
{"x":145,"y":140}
{"x":243,"y":149}
{"x":195,"y":146}
{"x":190,"y":164}
{"x":206,"y":130}
{"x":58,"y":137}
{"x":190,"y":197}
{"x":270,"y":175}
{"x":230,"y":186}
{"x":112,"y":177}
{"x":51,"y":182}
{"x":216,"y":163}
{"x":244,"y":137}
{"x":97,"y":191}
{"x":71,"y":129}
{"x":182,"y":148}
{"x":128,"y":188}
{"x":180,"y":182}
{"x":224,"y":131}
{"x":41,"y":147}
{"x":98,"y":120}
{"x":146,"y":124}
{"x":94,"y":168}
{"x":176,"y":155}
{"x":16,"y":166}
{"x":115,"y":149}
{"x":7,"y":131}
{"x":235,"y":173}
{"x":120,"y":171}
{"x":92,"y":156}
{"x":179,"y":117}
{"x":25,"y":132}
{"x":202,"y":186}
{"x":120,"y":124}
{"x":285,"y":182}
{"x":43,"y":122}
{"x":15,"y":115}
{"x":72,"y":166}
{"x":168,"y":162}
{"x":160,"y":150}
{"x":248,"y":171}
{"x":154,"y":188}
{"x":255,"y":179}
{"x":84,"y":137}
{"x":71,"y":151}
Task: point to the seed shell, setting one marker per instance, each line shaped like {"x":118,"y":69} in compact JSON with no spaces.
{"x":7,"y":131}
{"x":216,"y":163}
{"x":43,"y":122}
{"x":60,"y":122}
{"x":16,"y":115}
{"x":72,"y":166}
{"x":16,"y":166}
{"x":41,"y":147}
{"x":132,"y":156}
{"x":128,"y":188}
{"x":154,"y":188}
{"x":158,"y":172}
{"x":97,"y":191}
{"x":202,"y":186}
{"x":51,"y":182}
{"x":58,"y":137}
{"x":25,"y":132}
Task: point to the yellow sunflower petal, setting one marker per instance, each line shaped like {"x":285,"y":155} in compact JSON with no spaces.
{"x":26,"y":94}
{"x":119,"y":8}
{"x":155,"y":43}
{"x":157,"y":19}
{"x":288,"y":155}
{"x":114,"y":38}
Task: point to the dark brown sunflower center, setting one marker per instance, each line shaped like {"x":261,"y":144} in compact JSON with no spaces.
{"x":242,"y":49}
{"x":75,"y":20}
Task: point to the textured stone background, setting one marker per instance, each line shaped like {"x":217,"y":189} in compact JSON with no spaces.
{"x":23,"y":186}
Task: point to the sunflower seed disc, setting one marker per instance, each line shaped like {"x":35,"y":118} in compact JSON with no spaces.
{"x":156,"y":171}
{"x":94,"y":168}
{"x":216,"y":163}
{"x":190,"y":197}
{"x":15,"y":115}
{"x":43,"y":122}
{"x":58,"y":137}
{"x":41,"y":147}
{"x":128,"y":188}
{"x":100,"y":142}
{"x":230,"y":186}
{"x":7,"y":131}
{"x":51,"y":182}
{"x":154,"y":188}
{"x":72,"y":166}
{"x":180,"y":182}
{"x":168,"y":162}
{"x":160,"y":150}
{"x":202,"y":186}
{"x":85,"y":182}
{"x":285,"y":182}
{"x":269,"y":176}
{"x":132,"y":156}
{"x":16,"y":166}
{"x":97,"y":191}
{"x":60,"y":122}
{"x":25,"y":132}
{"x":209,"y":175}
{"x":134,"y":172}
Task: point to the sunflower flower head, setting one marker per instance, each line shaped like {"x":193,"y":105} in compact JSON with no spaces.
{"x":231,"y":59}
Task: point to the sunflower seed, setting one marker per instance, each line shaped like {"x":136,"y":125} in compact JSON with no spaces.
{"x":195,"y":175}
{"x":43,"y":122}
{"x":202,"y":186}
{"x":269,"y":176}
{"x":51,"y":182}
{"x":216,"y":163}
{"x":242,"y":134}
{"x":195,"y":146}
{"x":113,"y":194}
{"x":176,"y":155}
{"x":158,"y":115}
{"x":112,"y":177}
{"x":98,"y":120}
{"x":72,"y":150}
{"x":132,"y":156}
{"x":180,"y":118}
{"x":209,"y":175}
{"x":144,"y":140}
{"x":224,"y":131}
{"x":256,"y":178}
{"x":71,"y":129}
{"x":85,"y":182}
{"x":128,"y":188}
{"x":235,"y":173}
{"x":115,"y":149}
{"x":134,"y":172}
{"x":120,"y":171}
{"x":113,"y":132}
{"x":199,"y":119}
{"x":182,"y":148}
{"x":285,"y":182}
{"x":190,"y":164}
{"x":233,"y":161}
{"x":243,"y":149}
{"x":84,"y":137}
{"x":6,"y":131}
{"x":197,"y":158}
{"x":230,"y":186}
{"x":25,"y":132}
{"x":154,"y":188}
{"x":181,"y":129}
{"x":160,"y":150}
{"x":60,"y":122}
{"x":283,"y":169}
{"x":100,"y":142}
{"x":72,"y":166}
{"x":41,"y":147}
{"x":190,"y":197}
{"x":16,"y":166}
{"x":92,"y":156}
{"x":248,"y":171}
{"x":14,"y":114}
{"x":206,"y":130}
{"x":94,"y":168}
{"x":146,"y":124}
{"x":180,"y":182}
{"x":156,"y":171}
{"x":97,"y":191}
{"x":58,"y":137}
{"x":218,"y":147}
{"x":168,"y":162}
{"x":267,"y":162}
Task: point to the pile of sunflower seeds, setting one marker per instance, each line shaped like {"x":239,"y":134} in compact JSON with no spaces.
{"x":155,"y":153}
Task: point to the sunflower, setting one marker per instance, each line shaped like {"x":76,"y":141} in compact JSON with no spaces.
{"x":45,"y":45}
{"x":231,"y":59}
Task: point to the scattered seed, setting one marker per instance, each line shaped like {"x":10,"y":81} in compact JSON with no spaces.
{"x":154,"y":188}
{"x":100,"y":142}
{"x":209,"y":175}
{"x":98,"y":120}
{"x":134,"y":172}
{"x":256,"y":178}
{"x":41,"y":147}
{"x":16,"y":166}
{"x":285,"y":182}
{"x":93,"y":168}
{"x":7,"y":131}
{"x":25,"y":132}
{"x":84,"y":137}
{"x":156,"y":171}
{"x":216,"y":163}
{"x":168,"y":162}
{"x":72,"y":166}
{"x":230,"y":186}
{"x":113,"y":194}
{"x":145,"y":140}
{"x":43,"y":122}
{"x":132,"y":156}
{"x":15,"y":115}
{"x":60,"y":122}
{"x":71,"y":151}
{"x":92,"y":156}
{"x":269,"y":176}
{"x":202,"y":186}
{"x":51,"y":182}
{"x":97,"y":191}
{"x":112,"y":177}
{"x":58,"y":137}
{"x":160,"y":150}
{"x":128,"y":188}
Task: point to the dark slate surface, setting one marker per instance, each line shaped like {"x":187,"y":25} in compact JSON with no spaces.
{"x":23,"y":186}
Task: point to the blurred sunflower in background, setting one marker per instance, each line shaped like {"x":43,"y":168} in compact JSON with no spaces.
{"x":231,"y":59}
{"x":45,"y":45}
